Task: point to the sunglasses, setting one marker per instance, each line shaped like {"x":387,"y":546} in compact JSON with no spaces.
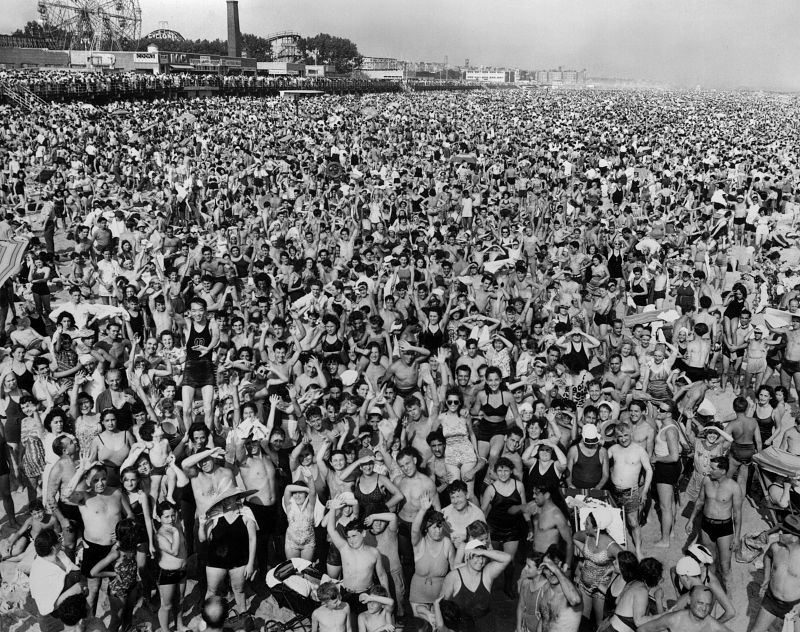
{"x":453,"y":401}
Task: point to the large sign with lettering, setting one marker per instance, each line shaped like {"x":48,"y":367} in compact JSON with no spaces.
{"x":145,"y":58}
{"x":204,"y":61}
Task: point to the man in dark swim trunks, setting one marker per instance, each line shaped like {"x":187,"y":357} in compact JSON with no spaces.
{"x":746,"y":442}
{"x":780,"y":589}
{"x":790,"y":367}
{"x":721,"y":526}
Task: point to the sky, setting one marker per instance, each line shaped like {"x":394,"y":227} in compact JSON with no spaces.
{"x":712,"y":43}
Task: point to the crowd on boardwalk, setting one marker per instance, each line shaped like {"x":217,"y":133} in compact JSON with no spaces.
{"x":451,"y":350}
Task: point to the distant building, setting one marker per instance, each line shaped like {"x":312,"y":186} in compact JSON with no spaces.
{"x":491,"y":76}
{"x":319,"y":70}
{"x":153,"y":61}
{"x":379,"y":63}
{"x":283,"y":69}
{"x":558,"y":76}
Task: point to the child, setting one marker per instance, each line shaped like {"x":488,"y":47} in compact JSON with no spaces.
{"x":349,"y":512}
{"x":378,"y":617}
{"x":159,"y":452}
{"x":383,"y":530}
{"x":298,"y":503}
{"x":20,"y":544}
{"x":333,"y":615}
{"x":172,"y":566}
{"x":123,"y":586}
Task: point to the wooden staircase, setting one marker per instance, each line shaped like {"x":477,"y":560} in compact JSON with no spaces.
{"x":22,"y":97}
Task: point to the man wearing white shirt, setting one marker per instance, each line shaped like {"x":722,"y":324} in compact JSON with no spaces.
{"x":81,"y":311}
{"x":49,"y":573}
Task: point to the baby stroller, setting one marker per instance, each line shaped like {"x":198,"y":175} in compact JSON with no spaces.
{"x":294,"y":585}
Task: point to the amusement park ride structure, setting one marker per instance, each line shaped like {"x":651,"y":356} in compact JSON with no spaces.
{"x":285,"y":46}
{"x":91,"y":24}
{"x":117,"y":24}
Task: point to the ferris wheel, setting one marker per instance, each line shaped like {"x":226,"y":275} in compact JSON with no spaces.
{"x":92,"y":24}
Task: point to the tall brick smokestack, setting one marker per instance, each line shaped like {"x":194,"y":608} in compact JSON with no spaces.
{"x":234,"y":36}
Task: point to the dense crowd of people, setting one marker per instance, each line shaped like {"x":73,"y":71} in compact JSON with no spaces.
{"x":448,"y":349}
{"x":50,"y":83}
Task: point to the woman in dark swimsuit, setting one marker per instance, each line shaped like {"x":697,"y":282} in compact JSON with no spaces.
{"x":141,"y":507}
{"x":626,"y":565}
{"x":491,"y":408}
{"x":230,"y":530}
{"x":434,"y":325}
{"x":374,"y":492}
{"x":638,"y":289}
{"x":544,"y":471}
{"x":11,"y":414}
{"x":507,"y":529}
{"x":21,"y":369}
{"x":763,"y":412}
{"x":634,"y":600}
{"x":469,"y":588}
{"x":111,"y":446}
{"x":5,"y":480}
{"x":331,"y":343}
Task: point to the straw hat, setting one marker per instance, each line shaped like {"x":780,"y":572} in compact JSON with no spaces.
{"x":232,"y":492}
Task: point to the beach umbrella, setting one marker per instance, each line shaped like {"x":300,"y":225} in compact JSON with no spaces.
{"x":11,"y":255}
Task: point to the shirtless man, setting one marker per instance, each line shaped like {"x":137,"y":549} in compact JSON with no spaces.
{"x":101,"y":508}
{"x":789,"y":443}
{"x":695,"y":618}
{"x":405,"y":370}
{"x":697,"y":353}
{"x":549,"y":526}
{"x":418,"y":426}
{"x":643,"y":431}
{"x":746,"y":442}
{"x":628,"y":461}
{"x":258,"y":472}
{"x":721,"y":502}
{"x":57,"y":502}
{"x":734,"y":346}
{"x":360,"y":562}
{"x":560,"y":603}
{"x":466,"y":388}
{"x":414,"y":485}
{"x":790,"y":367}
{"x":616,"y":383}
{"x":510,"y":449}
{"x":780,"y":590}
{"x":612,"y":342}
{"x":208,"y":479}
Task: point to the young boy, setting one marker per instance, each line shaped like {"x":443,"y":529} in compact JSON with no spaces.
{"x":383,"y":530}
{"x":378,"y":617}
{"x":333,"y":615}
{"x":20,"y":544}
{"x":172,"y":566}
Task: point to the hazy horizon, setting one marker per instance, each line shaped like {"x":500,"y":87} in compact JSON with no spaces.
{"x":715,"y":44}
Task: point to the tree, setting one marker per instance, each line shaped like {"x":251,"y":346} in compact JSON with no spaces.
{"x":31,"y":29}
{"x":329,"y":49}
